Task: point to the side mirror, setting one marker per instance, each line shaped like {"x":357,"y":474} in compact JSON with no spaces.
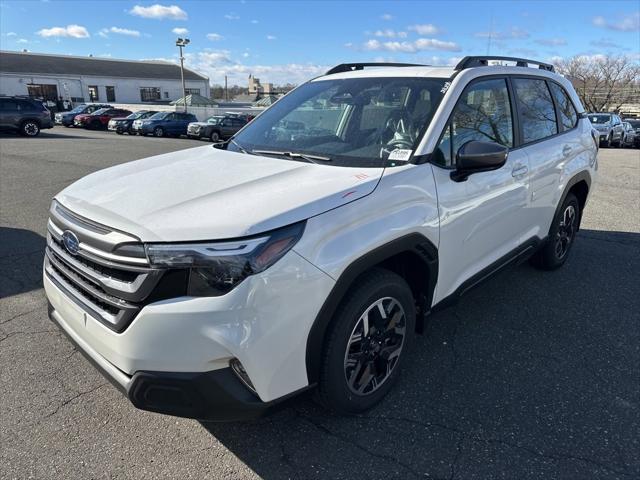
{"x":476,"y":156}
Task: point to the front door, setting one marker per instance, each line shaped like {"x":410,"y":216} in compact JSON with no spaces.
{"x":481,"y":218}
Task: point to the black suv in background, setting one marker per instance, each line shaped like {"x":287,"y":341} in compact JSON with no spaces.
{"x":217,"y":127}
{"x":24,"y":115}
{"x":123,"y":125}
{"x":66,"y":118}
{"x":635,"y":124}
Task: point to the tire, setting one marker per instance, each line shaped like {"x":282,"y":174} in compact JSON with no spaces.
{"x":562,"y":236}
{"x":343,"y":386}
{"x":119,"y":131}
{"x":95,"y":125}
{"x":214,"y":137}
{"x":607,"y":144}
{"x":29,"y":128}
{"x":158,"y":132}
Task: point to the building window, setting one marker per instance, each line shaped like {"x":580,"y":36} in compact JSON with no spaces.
{"x":43,"y":91}
{"x":192,"y":91}
{"x":93,"y":93}
{"x":149,"y":94}
{"x":111,"y":94}
{"x":166,"y":94}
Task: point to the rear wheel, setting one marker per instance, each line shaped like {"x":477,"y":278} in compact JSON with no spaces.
{"x":95,"y":125}
{"x":158,"y":132}
{"x":30,"y":128}
{"x":215,"y":137}
{"x":370,"y":334}
{"x":607,"y":142}
{"x":561,"y":236}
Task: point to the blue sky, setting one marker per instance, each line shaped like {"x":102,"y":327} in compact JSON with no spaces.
{"x":290,"y":41}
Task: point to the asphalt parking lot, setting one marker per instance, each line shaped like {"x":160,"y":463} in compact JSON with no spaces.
{"x":532,"y":375}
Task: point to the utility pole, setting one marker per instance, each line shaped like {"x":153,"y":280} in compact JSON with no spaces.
{"x":180,"y":43}
{"x":226,"y":93}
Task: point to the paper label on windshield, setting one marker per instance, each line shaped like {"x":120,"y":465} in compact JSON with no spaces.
{"x":400,"y":154}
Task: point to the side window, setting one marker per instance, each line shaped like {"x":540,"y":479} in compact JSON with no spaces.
{"x":482,"y":113}
{"x":536,"y":109}
{"x":568,"y":114}
{"x":9,"y":106}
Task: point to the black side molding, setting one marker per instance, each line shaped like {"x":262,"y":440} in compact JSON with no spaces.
{"x":414,"y":243}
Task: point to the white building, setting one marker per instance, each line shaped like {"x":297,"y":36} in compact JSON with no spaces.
{"x":89,"y":79}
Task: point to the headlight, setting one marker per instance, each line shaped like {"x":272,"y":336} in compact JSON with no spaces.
{"x":217,"y":267}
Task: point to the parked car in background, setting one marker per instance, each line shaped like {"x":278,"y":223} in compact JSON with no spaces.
{"x":123,"y":125}
{"x":631,"y":133}
{"x":216,"y":128}
{"x":100,"y":118}
{"x":67,"y":118}
{"x":164,"y":123}
{"x":609,"y":127}
{"x":24,"y":115}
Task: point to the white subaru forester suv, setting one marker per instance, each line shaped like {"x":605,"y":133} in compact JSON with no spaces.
{"x":307,"y":251}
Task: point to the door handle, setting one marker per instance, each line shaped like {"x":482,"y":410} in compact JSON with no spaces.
{"x":519,"y":171}
{"x":566,"y":150}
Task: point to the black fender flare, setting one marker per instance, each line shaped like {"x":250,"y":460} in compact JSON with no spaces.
{"x":583,"y":175}
{"x":414,"y":242}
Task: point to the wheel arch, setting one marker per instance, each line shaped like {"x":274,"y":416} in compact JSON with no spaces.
{"x":579,"y":185}
{"x":413,"y":257}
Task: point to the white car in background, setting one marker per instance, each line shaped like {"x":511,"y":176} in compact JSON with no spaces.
{"x":306,"y":252}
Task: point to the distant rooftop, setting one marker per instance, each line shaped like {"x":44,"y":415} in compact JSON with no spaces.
{"x":47,"y":64}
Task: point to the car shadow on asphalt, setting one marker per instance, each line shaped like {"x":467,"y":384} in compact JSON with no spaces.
{"x":45,"y":135}
{"x":21,"y":256}
{"x":532,"y":374}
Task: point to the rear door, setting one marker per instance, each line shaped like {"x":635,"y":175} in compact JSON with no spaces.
{"x":481,"y":219}
{"x":9,"y":113}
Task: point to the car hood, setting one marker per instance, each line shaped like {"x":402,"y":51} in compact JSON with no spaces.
{"x":201,"y":124}
{"x":122,"y":119}
{"x":206,"y":193}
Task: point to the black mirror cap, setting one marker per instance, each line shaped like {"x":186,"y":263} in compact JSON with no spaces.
{"x":477,"y":156}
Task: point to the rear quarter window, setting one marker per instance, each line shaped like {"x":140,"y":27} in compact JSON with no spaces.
{"x":566,"y":110}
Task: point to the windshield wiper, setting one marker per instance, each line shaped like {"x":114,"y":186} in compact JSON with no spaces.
{"x":240,"y":147}
{"x":304,"y":156}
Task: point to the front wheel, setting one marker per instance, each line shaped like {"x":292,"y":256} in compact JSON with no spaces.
{"x":370,"y":334}
{"x":158,"y":132}
{"x":30,"y":128}
{"x":215,"y":137}
{"x":561,"y":236}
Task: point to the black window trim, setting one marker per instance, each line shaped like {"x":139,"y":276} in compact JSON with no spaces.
{"x":515,"y":114}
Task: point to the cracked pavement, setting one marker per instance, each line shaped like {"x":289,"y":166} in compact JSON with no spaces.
{"x":531,"y":375}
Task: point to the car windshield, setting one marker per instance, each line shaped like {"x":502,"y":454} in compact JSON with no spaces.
{"x":135,"y":115}
{"x":599,"y":118}
{"x":159,"y":115}
{"x":634,"y":123}
{"x":100,"y":111}
{"x":353,"y":122}
{"x":214,"y":120}
{"x":79,"y":109}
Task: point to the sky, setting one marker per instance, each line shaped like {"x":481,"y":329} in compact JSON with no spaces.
{"x":292,"y":41}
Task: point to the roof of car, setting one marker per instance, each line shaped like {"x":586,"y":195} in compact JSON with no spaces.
{"x":426,"y":71}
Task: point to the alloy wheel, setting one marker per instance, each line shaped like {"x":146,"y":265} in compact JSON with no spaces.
{"x":375,"y":346}
{"x":566,"y":231}
{"x":31,"y":129}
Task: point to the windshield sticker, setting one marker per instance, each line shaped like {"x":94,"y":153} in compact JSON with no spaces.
{"x":400,"y":154}
{"x":445,"y":87}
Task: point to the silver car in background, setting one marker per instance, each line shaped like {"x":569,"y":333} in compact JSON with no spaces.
{"x":609,"y":127}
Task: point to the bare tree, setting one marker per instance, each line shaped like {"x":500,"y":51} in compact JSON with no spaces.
{"x":603,"y":83}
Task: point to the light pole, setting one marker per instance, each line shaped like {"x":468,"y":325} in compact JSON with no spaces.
{"x":180,"y":43}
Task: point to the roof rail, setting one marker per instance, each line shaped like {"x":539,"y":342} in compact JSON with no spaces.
{"x":349,"y":67}
{"x":469,"y":62}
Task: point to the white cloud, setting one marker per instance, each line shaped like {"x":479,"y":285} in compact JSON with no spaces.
{"x":254,"y":22}
{"x":607,"y":43}
{"x":11,"y":34}
{"x":73,"y":31}
{"x":388,"y":33}
{"x":348,"y":45}
{"x":411,"y":47}
{"x":514,"y":33}
{"x":125,"y":31}
{"x":425,"y":29}
{"x":271,"y":37}
{"x":245,"y":55}
{"x":232,"y":16}
{"x":552,"y":42}
{"x":214,"y":37}
{"x":22,"y":40}
{"x":630,"y":23}
{"x":159,"y":12}
{"x":180,"y":31}
{"x":386,"y":16}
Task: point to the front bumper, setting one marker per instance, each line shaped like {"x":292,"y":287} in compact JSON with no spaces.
{"x":179,"y":343}
{"x":216,"y":396}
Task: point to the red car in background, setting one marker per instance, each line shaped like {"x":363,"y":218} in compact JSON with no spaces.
{"x":99,"y":118}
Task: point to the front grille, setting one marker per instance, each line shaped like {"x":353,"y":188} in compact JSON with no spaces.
{"x":108,"y":281}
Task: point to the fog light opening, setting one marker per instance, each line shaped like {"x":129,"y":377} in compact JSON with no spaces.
{"x":239,"y":370}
